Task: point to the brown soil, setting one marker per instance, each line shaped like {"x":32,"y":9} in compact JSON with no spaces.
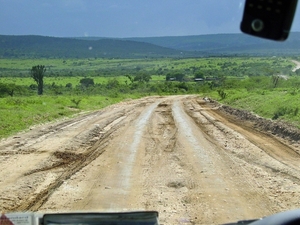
{"x":278,"y":128}
{"x":194,"y":161}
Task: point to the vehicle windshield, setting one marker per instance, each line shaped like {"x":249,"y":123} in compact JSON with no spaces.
{"x":161,"y":105}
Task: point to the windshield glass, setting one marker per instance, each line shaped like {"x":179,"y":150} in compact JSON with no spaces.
{"x":120,"y":106}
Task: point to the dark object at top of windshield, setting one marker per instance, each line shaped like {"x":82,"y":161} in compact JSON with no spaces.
{"x":114,"y":218}
{"x":271,"y":19}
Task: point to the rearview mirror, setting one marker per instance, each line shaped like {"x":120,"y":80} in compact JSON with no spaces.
{"x":271,"y":19}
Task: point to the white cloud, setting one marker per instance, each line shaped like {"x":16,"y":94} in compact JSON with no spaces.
{"x":241,"y":5}
{"x":74,"y":5}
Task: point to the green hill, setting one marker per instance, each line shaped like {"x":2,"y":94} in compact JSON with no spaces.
{"x":228,"y":44}
{"x":152,"y":47}
{"x":51,"y":47}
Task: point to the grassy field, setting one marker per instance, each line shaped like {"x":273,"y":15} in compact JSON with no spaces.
{"x":20,"y":113}
{"x":254,"y":92}
{"x":65,"y":80}
{"x":278,"y":104}
{"x":113,"y":67}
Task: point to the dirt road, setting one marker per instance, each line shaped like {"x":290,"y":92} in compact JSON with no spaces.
{"x":178,"y":155}
{"x":297,"y":65}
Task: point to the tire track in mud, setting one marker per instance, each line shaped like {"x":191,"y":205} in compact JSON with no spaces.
{"x":57,"y":160}
{"x":287,"y":155}
{"x":168,"y":154}
{"x":274,"y":177}
{"x":167,"y":177}
{"x":176,"y":169}
{"x":186,"y":178}
{"x":223,"y":184}
{"x":23,"y":144}
{"x":58,"y":164}
{"x":72,"y":163}
{"x":274,"y":148}
{"x":107,"y":184}
{"x":67,"y":157}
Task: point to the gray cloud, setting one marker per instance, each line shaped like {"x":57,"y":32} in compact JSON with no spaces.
{"x":120,"y":18}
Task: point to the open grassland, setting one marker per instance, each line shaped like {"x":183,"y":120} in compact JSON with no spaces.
{"x":63,"y":81}
{"x":117,"y":67}
{"x":242,"y":82}
{"x":274,"y":104}
{"x":19,"y":113}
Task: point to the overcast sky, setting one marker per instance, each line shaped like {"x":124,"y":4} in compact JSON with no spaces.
{"x":121,"y":18}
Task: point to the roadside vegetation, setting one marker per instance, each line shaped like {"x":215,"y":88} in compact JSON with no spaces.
{"x":266,"y":86}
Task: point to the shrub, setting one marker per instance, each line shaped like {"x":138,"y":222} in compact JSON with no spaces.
{"x":69,"y":85}
{"x":87,"y":82}
{"x":76,"y":102}
{"x":283,"y":110}
{"x":222,"y":94}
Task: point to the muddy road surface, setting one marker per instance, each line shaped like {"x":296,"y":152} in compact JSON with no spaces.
{"x":179,"y":155}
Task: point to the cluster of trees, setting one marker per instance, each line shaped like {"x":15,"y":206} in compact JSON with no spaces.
{"x":134,"y":84}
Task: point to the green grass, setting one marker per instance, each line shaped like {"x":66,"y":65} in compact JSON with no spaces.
{"x":62,"y":81}
{"x":113,"y":67}
{"x":254,"y":94}
{"x":17,"y":114}
{"x":276,"y":104}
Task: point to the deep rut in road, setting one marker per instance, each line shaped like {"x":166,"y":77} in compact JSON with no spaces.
{"x":179,"y":155}
{"x":273,"y":165}
{"x":38,"y":162}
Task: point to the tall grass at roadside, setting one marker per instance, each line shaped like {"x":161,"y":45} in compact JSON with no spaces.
{"x":19,"y":113}
{"x":276,"y":104}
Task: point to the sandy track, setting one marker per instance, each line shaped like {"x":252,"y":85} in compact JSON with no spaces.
{"x":177,"y":155}
{"x":297,"y":65}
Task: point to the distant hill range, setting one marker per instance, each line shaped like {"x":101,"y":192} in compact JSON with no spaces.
{"x":176,"y":46}
{"x":228,"y":44}
{"x":52,"y":47}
